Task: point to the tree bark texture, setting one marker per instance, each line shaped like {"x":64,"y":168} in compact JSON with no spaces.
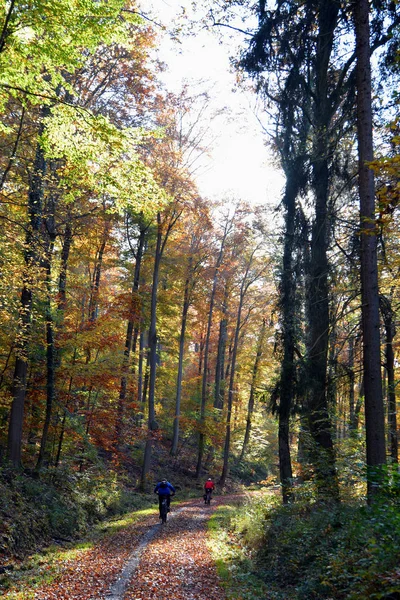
{"x":185,"y":309}
{"x":373,"y":400}
{"x":288,"y":317}
{"x":390,"y":329}
{"x":31,"y":258}
{"x":95,"y":283}
{"x":220,"y":365}
{"x":128,"y":339}
{"x":318,"y":414}
{"x":243,"y":289}
{"x":50,"y":348}
{"x":152,"y":425}
{"x":253,"y":385}
{"x":204,"y":385}
{"x":62,"y":280}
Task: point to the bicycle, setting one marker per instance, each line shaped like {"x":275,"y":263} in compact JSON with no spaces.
{"x":164,"y":510}
{"x":207,"y":498}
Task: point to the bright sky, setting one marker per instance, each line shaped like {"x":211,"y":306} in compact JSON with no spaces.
{"x":240,"y":164}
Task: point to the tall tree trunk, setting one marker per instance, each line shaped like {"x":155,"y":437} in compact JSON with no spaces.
{"x":51,"y":235}
{"x":374,"y":411}
{"x":243,"y":289}
{"x":60,"y":439}
{"x":146,"y":377}
{"x":288,"y":315}
{"x":350,"y":371}
{"x":390,"y":329}
{"x":152,"y":424}
{"x":129,"y":335}
{"x":201,"y":355}
{"x":359,"y":404}
{"x":62,"y":281}
{"x":95,"y":283}
{"x":140,"y":369}
{"x":220,"y":366}
{"x":61,"y":307}
{"x":253,"y":385}
{"x":50,"y":358}
{"x":31,"y":258}
{"x":319,"y":419}
{"x":185,"y":309}
{"x":204,"y":386}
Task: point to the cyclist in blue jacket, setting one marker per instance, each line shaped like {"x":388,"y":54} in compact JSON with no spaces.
{"x":164,"y":489}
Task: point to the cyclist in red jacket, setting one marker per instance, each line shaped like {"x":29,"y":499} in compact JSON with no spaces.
{"x":209,"y":487}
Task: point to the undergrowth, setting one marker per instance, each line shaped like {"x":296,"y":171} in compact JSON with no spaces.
{"x":61,"y":505}
{"x":44,"y":567}
{"x":309,"y":551}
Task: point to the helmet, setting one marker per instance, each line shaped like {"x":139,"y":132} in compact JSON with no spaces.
{"x":209,"y":479}
{"x":163,"y":480}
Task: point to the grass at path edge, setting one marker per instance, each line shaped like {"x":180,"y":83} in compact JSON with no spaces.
{"x":234,"y":565}
{"x":46,"y":566}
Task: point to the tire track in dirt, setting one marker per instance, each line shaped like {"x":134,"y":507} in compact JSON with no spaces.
{"x":118,"y":588}
{"x":89,"y":575}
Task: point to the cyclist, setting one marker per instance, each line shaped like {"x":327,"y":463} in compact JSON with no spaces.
{"x":209,"y":487}
{"x":164,"y":489}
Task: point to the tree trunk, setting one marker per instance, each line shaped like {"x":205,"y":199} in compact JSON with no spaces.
{"x":390,"y":329}
{"x":50,"y":357}
{"x":243,"y":289}
{"x":288,"y":315}
{"x":350,"y":370}
{"x":128,"y":338}
{"x":359,"y":404}
{"x":185,"y":309}
{"x":95,"y":284}
{"x":62,"y":281}
{"x":250,"y":406}
{"x":146,"y":376}
{"x":31,"y":257}
{"x":374,"y":411}
{"x":319,"y":419}
{"x":220,"y":366}
{"x":225,"y":467}
{"x":152,"y":424}
{"x":204,"y":386}
{"x":140,"y":369}
{"x":60,"y":439}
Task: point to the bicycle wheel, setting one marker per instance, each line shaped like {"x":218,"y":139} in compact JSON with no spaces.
{"x":164,"y":511}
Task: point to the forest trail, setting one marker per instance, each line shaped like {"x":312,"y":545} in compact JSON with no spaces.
{"x":146,"y":557}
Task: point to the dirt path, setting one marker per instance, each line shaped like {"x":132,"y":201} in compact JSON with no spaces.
{"x":145,"y":561}
{"x":177,"y":563}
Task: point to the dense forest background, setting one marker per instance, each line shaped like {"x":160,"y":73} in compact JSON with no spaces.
{"x":149,"y":331}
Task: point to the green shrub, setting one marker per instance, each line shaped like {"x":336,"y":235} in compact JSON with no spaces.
{"x":59,"y":505}
{"x":316,"y":551}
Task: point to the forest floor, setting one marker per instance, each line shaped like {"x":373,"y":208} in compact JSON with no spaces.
{"x":143,"y":561}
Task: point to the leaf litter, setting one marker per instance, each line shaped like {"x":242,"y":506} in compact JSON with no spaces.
{"x":172,"y":560}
